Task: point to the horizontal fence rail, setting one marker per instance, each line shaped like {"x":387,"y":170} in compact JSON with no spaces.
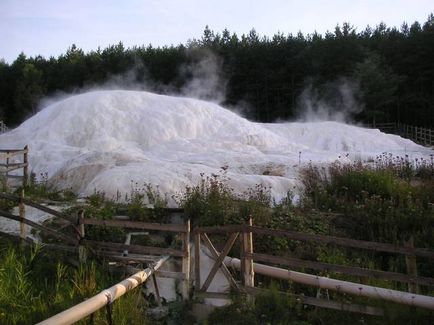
{"x":346,"y":242}
{"x":248,"y":267}
{"x":48,"y":231}
{"x":151,"y":250}
{"x":136,"y":225}
{"x":417,"y":134}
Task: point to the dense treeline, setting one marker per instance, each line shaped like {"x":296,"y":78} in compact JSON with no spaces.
{"x":390,"y":70}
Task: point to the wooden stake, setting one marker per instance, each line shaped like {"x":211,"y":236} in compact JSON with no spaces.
{"x":248,"y":273}
{"x":7,"y":174}
{"x":82,"y":254}
{"x":22,"y":212}
{"x":410,"y":261}
{"x":26,"y":166}
{"x":157,"y":292}
{"x":197,"y":261}
{"x":186,"y":262}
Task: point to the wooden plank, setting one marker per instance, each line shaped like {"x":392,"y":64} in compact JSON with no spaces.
{"x":132,"y":258}
{"x":219,"y":261}
{"x":19,"y":165}
{"x":324,"y":303}
{"x":410,"y":261}
{"x":186,"y":262}
{"x":350,"y":270}
{"x":15,"y":151}
{"x":49,"y":231}
{"x":82,"y":252}
{"x":50,"y":211}
{"x":10,"y":169}
{"x":136,"y":225}
{"x":38,"y":206}
{"x":26,"y":167}
{"x":248,"y":274}
{"x":219,"y":229}
{"x":224,"y":268}
{"x":170,"y":275}
{"x":9,"y":153}
{"x":13,"y":176}
{"x":22,"y":212}
{"x":375,"y":246}
{"x":157,"y":292}
{"x":213,"y":295}
{"x":63,"y":248}
{"x":134,"y":248}
{"x":197,"y":260}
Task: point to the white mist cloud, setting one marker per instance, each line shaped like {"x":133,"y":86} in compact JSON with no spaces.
{"x":335,"y":101}
{"x":205,"y":78}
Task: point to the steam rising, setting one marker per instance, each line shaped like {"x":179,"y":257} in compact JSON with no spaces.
{"x":336,"y":101}
{"x":206,"y":79}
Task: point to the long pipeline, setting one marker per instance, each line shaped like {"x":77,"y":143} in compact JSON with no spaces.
{"x":338,"y":285}
{"x":107,"y":296}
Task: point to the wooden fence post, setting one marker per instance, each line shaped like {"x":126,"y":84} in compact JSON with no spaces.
{"x":248,"y":274}
{"x":7,"y":173}
{"x":186,"y":262}
{"x":26,"y":166}
{"x":197,"y":261}
{"x":22,"y":212}
{"x":410,"y":261}
{"x":82,"y":254}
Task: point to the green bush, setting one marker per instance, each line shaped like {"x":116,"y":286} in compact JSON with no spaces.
{"x":213,"y":202}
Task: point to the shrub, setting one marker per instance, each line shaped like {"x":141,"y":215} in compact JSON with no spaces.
{"x":211,"y":202}
{"x":377,"y":203}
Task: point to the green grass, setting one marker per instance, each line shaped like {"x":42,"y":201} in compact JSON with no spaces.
{"x":35,"y":285}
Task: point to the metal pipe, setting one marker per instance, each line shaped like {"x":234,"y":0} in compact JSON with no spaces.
{"x":339,"y":285}
{"x":107,"y":296}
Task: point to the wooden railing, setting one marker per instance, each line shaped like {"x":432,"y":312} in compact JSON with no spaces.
{"x":248,"y":256}
{"x":79,"y":244}
{"x":420,"y":135}
{"x":8,"y":164}
{"x":115,"y":251}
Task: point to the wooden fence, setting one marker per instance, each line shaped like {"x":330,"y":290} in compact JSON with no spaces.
{"x":79,"y":244}
{"x":7,"y":164}
{"x":420,"y":135}
{"x":248,"y":256}
{"x":114,"y":251}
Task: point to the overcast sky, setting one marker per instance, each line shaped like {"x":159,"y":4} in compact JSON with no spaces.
{"x":49,"y":27}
